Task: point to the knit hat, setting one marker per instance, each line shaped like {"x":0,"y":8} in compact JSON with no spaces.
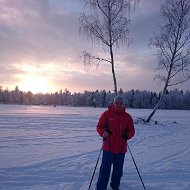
{"x":119,"y":99}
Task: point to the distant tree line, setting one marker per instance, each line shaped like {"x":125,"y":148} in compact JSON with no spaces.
{"x":174,"y":99}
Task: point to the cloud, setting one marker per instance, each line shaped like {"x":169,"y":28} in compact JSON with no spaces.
{"x":38,"y":30}
{"x":43,"y":36}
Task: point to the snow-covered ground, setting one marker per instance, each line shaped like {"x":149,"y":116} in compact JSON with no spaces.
{"x":47,"y":148}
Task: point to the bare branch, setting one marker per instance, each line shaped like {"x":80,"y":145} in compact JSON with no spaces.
{"x":171,"y":44}
{"x":107,"y":25}
{"x":90,"y":59}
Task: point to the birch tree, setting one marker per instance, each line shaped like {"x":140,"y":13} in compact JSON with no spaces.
{"x":106,"y":24}
{"x":172,"y":45}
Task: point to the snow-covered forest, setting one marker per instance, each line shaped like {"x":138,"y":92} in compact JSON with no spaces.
{"x":174,"y":99}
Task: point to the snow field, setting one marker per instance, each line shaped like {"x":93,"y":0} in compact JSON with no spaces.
{"x":47,"y":148}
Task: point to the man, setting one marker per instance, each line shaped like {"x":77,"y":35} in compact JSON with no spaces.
{"x":116,"y":127}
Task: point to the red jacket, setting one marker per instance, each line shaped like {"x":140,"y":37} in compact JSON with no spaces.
{"x":119,"y":122}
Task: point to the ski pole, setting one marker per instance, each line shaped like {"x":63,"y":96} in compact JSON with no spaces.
{"x":95,"y":168}
{"x":136,"y":168}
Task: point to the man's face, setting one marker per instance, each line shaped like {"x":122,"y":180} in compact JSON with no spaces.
{"x":119,"y":105}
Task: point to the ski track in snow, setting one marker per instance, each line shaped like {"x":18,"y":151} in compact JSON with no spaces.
{"x":46,"y":148}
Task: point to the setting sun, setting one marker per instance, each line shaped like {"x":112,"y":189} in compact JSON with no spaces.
{"x":35,"y":84}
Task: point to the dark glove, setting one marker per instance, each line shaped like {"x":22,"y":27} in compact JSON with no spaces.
{"x":108,"y":130}
{"x":106,"y":134}
{"x":125,"y":136}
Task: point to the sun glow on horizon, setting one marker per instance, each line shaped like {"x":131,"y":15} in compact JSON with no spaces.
{"x":35,"y":84}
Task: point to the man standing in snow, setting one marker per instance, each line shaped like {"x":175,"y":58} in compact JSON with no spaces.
{"x":116,"y":127}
